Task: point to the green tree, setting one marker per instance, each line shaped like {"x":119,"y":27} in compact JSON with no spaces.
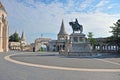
{"x":14,"y":37}
{"x":91,"y":39}
{"x":115,"y":38}
{"x":116,"y":29}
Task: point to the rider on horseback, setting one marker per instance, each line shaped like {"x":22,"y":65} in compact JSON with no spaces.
{"x":76,"y":26}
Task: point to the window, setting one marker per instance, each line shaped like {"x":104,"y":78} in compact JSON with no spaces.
{"x":2,"y":18}
{"x":75,"y":39}
{"x":80,"y":38}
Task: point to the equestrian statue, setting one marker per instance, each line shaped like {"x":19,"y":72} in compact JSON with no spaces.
{"x":76,"y":26}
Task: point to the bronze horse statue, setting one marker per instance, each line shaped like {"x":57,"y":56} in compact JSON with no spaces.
{"x":76,"y":26}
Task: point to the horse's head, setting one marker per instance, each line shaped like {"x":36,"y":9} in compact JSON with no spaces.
{"x":71,"y":23}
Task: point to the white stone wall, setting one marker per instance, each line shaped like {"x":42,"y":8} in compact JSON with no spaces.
{"x":3,"y":31}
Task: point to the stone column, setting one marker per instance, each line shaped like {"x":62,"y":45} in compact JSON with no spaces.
{"x":100,"y":48}
{"x":1,"y":48}
{"x":116,"y":47}
{"x":5,"y":36}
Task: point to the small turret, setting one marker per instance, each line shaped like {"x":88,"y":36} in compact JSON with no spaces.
{"x":23,"y":39}
{"x":62,"y":35}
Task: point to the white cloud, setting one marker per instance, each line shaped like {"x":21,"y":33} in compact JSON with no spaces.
{"x":70,"y":3}
{"x":102,"y":3}
{"x":85,"y":4}
{"x":47,"y":19}
{"x":98,"y":23}
{"x":109,"y":7}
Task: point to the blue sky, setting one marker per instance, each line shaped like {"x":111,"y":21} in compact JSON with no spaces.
{"x":36,"y":17}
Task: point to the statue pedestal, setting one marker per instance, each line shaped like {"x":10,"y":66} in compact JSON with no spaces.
{"x":77,"y":38}
{"x":79,"y":43}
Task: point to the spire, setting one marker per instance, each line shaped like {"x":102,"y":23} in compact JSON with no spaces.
{"x":23,"y":37}
{"x":62,"y":29}
{"x":2,"y":7}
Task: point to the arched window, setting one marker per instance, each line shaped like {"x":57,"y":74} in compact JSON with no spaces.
{"x":2,"y":18}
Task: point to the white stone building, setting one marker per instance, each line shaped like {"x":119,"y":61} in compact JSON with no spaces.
{"x":62,"y":37}
{"x":39,"y":42}
{"x":3,"y":29}
{"x":19,"y":45}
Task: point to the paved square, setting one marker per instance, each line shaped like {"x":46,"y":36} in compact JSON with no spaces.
{"x":72,"y":68}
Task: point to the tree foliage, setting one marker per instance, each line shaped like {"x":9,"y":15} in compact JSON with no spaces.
{"x":90,"y":35}
{"x":115,"y":38}
{"x":116,"y":29}
{"x":14,"y":37}
{"x":91,"y":39}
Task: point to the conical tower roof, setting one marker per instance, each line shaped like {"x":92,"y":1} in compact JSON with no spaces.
{"x":2,"y":7}
{"x":62,"y":29}
{"x":23,"y":37}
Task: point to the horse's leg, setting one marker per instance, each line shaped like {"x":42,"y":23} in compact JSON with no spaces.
{"x":73,"y":29}
{"x":80,"y":30}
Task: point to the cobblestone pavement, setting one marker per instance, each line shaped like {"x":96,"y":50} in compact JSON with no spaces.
{"x":12,"y":71}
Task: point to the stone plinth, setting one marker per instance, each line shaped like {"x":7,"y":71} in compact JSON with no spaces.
{"x":77,"y":38}
{"x":81,"y":47}
{"x":79,"y":43}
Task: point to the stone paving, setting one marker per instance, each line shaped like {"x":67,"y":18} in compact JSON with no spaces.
{"x":53,"y":59}
{"x":12,"y":71}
